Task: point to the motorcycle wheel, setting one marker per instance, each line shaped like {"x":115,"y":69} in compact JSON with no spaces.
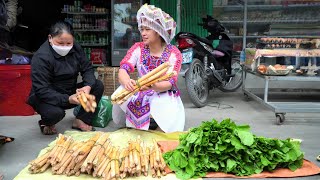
{"x":197,"y":84}
{"x":236,"y":81}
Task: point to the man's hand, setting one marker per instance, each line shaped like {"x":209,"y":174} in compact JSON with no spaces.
{"x":73,"y":99}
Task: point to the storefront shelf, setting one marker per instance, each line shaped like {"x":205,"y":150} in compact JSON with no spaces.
{"x":98,"y":65}
{"x":89,"y":44}
{"x":92,"y":30}
{"x":85,"y":13}
{"x":268,"y":21}
{"x":297,"y":36}
{"x":269,"y":6}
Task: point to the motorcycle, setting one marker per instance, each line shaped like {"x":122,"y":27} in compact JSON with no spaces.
{"x":207,"y":62}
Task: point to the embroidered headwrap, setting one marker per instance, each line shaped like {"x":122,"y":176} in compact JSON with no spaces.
{"x":157,"y":20}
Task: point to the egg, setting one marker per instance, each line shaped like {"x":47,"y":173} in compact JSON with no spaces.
{"x":277,"y":66}
{"x":262,"y":69}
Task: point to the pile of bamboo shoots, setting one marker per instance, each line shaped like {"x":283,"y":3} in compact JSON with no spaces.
{"x":87,"y":101}
{"x":99,"y":158}
{"x":156,"y":75}
{"x":137,"y":158}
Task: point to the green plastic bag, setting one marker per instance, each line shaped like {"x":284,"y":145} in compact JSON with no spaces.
{"x":104,"y":115}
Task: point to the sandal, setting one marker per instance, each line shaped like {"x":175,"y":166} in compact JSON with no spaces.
{"x":5,"y":139}
{"x":47,"y":130}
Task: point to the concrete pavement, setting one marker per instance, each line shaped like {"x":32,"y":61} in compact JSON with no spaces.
{"x":29,"y":141}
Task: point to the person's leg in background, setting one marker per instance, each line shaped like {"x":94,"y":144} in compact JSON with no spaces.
{"x":84,"y":119}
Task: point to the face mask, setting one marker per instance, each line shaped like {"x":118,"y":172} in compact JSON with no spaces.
{"x":61,"y":50}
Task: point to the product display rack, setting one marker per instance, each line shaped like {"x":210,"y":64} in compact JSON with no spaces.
{"x":91,"y":24}
{"x":281,"y":108}
{"x":294,"y":36}
{"x":255,"y":19}
{"x":91,"y":30}
{"x":84,"y":13}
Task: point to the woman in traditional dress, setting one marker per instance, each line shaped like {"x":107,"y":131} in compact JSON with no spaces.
{"x":157,"y":106}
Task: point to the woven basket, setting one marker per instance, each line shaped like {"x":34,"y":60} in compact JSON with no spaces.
{"x":109,"y":78}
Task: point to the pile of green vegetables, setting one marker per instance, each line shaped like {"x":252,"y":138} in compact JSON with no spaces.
{"x":227,"y":147}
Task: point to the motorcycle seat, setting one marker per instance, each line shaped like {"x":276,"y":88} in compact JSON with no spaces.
{"x":204,"y":40}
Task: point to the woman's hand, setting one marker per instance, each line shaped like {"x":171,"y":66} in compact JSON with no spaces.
{"x":146,"y":88}
{"x":85,"y":89}
{"x":161,"y":86}
{"x":125,"y":80}
{"x":129,"y":84}
{"x":73,"y":99}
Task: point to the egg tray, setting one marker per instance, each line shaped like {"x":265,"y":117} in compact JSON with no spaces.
{"x":285,"y":45}
{"x":281,"y":72}
{"x":276,"y":46}
{"x":286,"y":40}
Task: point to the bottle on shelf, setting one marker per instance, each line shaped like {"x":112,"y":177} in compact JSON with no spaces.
{"x":87,"y":51}
{"x":90,"y":24}
{"x":78,"y":6}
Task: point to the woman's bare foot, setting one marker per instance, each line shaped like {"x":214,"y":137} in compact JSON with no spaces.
{"x":80,"y":125}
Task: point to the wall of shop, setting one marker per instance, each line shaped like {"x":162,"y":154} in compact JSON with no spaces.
{"x":37,"y":16}
{"x":169,"y":6}
{"x":191,"y":12}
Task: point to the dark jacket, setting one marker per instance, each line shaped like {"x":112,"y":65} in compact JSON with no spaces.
{"x":54,"y":77}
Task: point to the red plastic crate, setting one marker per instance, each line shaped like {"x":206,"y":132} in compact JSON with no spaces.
{"x":15,"y":85}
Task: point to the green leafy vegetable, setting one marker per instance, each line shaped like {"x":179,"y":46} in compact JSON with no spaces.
{"x":226,"y":147}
